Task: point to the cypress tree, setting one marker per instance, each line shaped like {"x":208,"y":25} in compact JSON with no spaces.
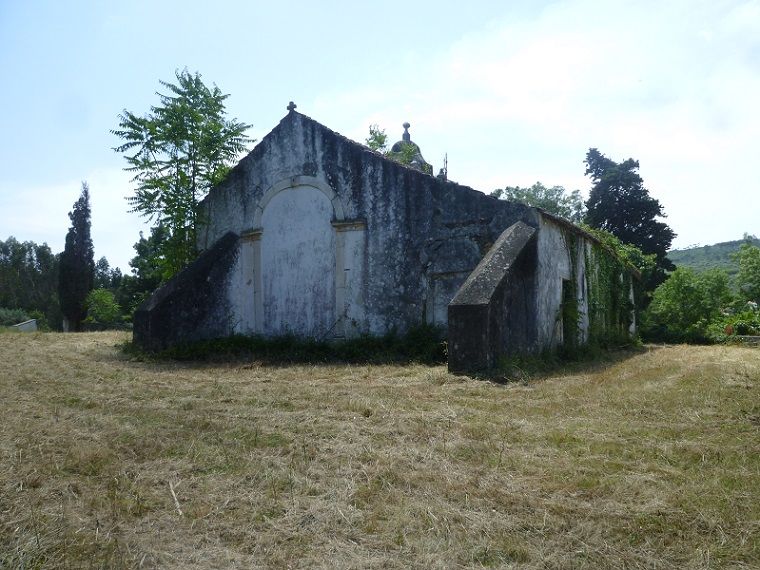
{"x":77,"y":263}
{"x":620,"y":204}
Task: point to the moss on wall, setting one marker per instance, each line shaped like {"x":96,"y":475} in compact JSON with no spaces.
{"x":607,"y":287}
{"x":609,"y":283}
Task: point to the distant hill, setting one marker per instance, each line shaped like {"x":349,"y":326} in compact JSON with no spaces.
{"x":716,"y":256}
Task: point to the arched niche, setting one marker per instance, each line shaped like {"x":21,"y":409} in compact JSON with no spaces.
{"x":294,"y":182}
{"x":307,"y":262}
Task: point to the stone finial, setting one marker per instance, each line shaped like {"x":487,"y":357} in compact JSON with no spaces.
{"x":292,"y":106}
{"x":405,"y":137}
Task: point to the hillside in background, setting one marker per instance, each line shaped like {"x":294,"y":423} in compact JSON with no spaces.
{"x":717,"y":256}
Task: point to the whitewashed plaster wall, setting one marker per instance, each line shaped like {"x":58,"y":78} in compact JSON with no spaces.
{"x":556,"y":264}
{"x":386,"y":263}
{"x":300,"y":270}
{"x":298,"y":263}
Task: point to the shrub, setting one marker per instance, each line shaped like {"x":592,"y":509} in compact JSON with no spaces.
{"x":742,"y":323}
{"x":684,"y":306}
{"x":10,"y":317}
{"x":102,"y":308}
{"x":423,"y":344}
{"x":42,"y":322}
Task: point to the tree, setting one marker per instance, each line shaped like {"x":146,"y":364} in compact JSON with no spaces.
{"x":29,"y":280}
{"x":377,"y":139}
{"x":686,"y":303}
{"x":77,"y":265}
{"x":102,"y":308}
{"x":178,"y":152}
{"x":748,"y":279}
{"x":146,"y":270}
{"x":102,"y":274}
{"x":105,"y":277}
{"x":620,"y":204}
{"x":555,"y":200}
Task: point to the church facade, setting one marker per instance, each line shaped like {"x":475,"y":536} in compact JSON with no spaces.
{"x":315,"y":235}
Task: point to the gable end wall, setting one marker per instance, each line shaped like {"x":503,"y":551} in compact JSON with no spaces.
{"x":422,"y":237}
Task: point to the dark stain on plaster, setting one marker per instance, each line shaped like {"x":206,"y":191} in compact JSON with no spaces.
{"x":192,"y":305}
{"x":423,"y":234}
{"x":309,"y":168}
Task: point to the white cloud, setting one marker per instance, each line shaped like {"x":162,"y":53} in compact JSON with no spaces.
{"x":674,"y":85}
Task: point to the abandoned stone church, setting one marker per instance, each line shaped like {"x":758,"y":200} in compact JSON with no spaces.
{"x":315,"y":235}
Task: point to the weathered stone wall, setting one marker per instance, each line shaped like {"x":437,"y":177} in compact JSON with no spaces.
{"x":610,"y":286}
{"x":193,"y":305}
{"x":561,"y":265}
{"x":402,"y":241}
{"x":493,"y":313}
{"x":539,"y":289}
{"x":331,"y":240}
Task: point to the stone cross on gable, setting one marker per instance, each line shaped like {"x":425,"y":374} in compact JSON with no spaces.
{"x":292,"y":106}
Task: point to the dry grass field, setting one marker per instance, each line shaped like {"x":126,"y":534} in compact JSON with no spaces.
{"x":651,"y":460}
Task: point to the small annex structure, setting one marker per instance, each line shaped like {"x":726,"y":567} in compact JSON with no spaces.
{"x":315,"y":235}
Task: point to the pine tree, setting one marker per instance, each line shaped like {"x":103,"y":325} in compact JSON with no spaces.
{"x":77,"y":264}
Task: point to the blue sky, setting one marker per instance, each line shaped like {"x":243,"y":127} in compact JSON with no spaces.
{"x":514,"y":92}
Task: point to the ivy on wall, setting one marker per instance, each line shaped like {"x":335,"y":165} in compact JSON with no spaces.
{"x":613,"y":271}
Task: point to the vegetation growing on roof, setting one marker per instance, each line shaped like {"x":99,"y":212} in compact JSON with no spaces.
{"x":612,"y":271}
{"x":406,"y":154}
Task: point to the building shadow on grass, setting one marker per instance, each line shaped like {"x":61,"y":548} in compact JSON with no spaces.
{"x":588,"y":361}
{"x":421,"y":345}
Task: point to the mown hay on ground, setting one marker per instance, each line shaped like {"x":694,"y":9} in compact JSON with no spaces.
{"x":648,"y":461}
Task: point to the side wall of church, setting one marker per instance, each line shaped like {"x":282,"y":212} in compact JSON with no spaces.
{"x":583,"y":292}
{"x":560,"y":278}
{"x":549,"y":288}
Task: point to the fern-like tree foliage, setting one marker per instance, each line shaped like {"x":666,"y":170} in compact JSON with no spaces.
{"x":178,"y":151}
{"x":76,"y":267}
